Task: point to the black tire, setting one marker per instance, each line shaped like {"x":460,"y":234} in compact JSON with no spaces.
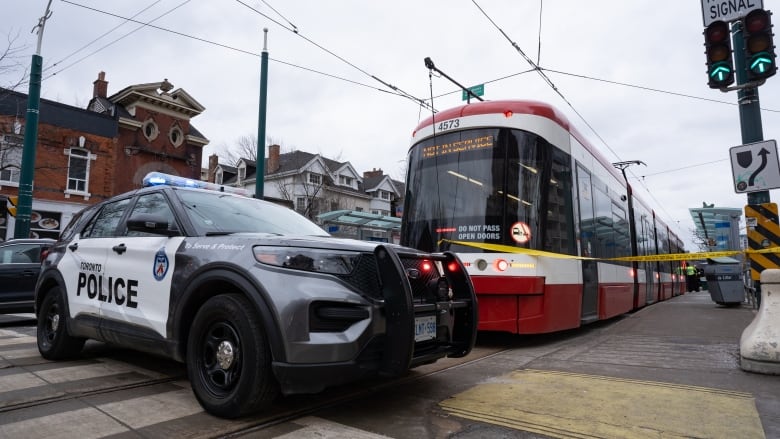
{"x":243,"y":383}
{"x":54,"y":342}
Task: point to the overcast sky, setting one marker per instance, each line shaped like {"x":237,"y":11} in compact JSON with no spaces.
{"x":322,"y":97}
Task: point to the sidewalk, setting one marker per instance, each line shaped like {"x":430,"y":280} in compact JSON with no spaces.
{"x":669,"y":370}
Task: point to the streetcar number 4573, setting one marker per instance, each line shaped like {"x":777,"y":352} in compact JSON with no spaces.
{"x":448,"y":124}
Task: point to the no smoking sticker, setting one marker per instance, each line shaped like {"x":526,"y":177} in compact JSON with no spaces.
{"x":521,"y":233}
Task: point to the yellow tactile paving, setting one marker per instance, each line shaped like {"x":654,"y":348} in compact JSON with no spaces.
{"x":567,"y":405}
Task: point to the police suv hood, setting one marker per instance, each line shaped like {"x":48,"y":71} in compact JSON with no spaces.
{"x":319,"y":242}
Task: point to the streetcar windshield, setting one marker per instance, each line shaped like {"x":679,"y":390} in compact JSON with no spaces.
{"x":488,"y":186}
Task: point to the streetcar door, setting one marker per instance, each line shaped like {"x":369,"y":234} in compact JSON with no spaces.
{"x":588,"y":224}
{"x":649,"y":267}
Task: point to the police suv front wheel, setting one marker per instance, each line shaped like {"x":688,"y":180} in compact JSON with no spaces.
{"x":228,"y":358}
{"x":54,"y":342}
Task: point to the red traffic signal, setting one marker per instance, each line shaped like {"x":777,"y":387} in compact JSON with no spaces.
{"x":717,"y":44}
{"x":759,"y":47}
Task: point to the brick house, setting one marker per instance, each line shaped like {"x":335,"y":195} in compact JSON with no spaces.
{"x":87,"y":155}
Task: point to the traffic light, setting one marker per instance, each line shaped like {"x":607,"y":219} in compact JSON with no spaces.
{"x":717,"y":44}
{"x":759,"y":48}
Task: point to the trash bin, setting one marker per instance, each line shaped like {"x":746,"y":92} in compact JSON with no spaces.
{"x":724,"y":281}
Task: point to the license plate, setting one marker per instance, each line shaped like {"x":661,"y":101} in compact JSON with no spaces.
{"x":424,"y":328}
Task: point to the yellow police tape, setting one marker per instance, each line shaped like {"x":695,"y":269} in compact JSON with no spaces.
{"x":648,"y":258}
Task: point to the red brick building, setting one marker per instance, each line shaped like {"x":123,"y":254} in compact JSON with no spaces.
{"x":87,"y":155}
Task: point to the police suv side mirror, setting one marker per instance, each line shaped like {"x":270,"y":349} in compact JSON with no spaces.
{"x":151,"y":223}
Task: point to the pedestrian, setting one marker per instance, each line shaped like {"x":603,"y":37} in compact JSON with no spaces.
{"x":691,"y":278}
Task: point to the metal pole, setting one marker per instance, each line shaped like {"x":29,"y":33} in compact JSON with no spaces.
{"x":260,"y":174}
{"x":24,"y":208}
{"x":749,"y":120}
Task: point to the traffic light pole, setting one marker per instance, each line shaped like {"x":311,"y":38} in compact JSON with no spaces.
{"x":749,"y":119}
{"x":24,"y":209}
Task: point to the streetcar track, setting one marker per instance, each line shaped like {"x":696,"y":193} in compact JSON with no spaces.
{"x":286,"y":409}
{"x":333,"y":402}
{"x":85,"y":394}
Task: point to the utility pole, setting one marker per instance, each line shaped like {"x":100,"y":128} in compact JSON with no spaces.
{"x":260,"y":173}
{"x":24,"y":208}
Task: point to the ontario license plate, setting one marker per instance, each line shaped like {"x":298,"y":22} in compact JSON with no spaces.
{"x":424,"y":328}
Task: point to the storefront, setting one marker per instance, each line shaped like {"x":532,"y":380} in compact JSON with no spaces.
{"x":46,"y":220}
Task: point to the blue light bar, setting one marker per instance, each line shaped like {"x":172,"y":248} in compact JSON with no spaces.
{"x":161,"y":179}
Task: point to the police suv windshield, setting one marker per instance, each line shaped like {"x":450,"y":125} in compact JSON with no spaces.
{"x":219,"y":213}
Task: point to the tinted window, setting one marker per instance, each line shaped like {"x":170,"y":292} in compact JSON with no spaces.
{"x":154,"y":204}
{"x":20,"y":254}
{"x":105,"y":223}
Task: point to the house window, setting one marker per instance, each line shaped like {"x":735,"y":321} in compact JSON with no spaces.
{"x":385,"y":195}
{"x":241,"y":174}
{"x":346,"y":181}
{"x":10,"y":160}
{"x":315,"y":178}
{"x":218,"y":176}
{"x":150,"y":129}
{"x":176,"y":137}
{"x":300,"y":204}
{"x":78,"y":170}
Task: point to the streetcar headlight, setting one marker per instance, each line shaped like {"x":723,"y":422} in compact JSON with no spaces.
{"x":308,"y":259}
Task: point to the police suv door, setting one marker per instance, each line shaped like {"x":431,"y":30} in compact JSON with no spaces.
{"x":83,"y":267}
{"x":140,"y":267}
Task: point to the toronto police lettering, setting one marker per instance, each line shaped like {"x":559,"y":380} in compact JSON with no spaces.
{"x":123,"y":292}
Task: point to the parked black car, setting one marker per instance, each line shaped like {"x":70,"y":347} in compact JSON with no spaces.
{"x":20,"y":264}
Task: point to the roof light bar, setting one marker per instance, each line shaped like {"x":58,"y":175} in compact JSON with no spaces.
{"x":161,"y":179}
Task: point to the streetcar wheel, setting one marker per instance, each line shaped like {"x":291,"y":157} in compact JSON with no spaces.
{"x":228,"y":358}
{"x":54,"y":342}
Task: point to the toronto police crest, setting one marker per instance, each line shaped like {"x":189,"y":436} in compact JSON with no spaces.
{"x":160,"y":264}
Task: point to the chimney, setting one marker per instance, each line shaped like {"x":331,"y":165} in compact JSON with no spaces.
{"x":273,"y":159}
{"x":371,"y":174}
{"x":100,"y":86}
{"x":213,"y":162}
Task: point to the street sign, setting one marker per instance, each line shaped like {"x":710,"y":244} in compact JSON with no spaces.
{"x":478,"y":90}
{"x":755,"y":166}
{"x":724,"y":10}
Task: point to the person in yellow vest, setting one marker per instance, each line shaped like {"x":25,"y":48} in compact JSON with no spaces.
{"x":692,"y":277}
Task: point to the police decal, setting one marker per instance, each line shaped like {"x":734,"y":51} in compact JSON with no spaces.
{"x":161,"y":264}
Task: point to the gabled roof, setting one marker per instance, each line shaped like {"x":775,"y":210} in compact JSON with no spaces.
{"x":177,"y":100}
{"x":371,"y":184}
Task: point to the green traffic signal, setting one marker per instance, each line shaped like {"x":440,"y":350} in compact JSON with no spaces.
{"x":761,"y":64}
{"x":720,"y":66}
{"x":759,"y":48}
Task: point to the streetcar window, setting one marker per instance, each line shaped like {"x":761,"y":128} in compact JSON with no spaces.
{"x":497,"y":186}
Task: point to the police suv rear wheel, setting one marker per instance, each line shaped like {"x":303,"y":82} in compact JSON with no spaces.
{"x":54,"y":342}
{"x":228,"y":358}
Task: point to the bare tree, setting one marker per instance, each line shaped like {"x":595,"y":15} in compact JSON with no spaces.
{"x":12,"y":63}
{"x":245,"y":147}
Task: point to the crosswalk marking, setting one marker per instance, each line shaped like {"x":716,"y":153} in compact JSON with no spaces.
{"x":86,"y":423}
{"x":318,"y":428}
{"x":149,"y":410}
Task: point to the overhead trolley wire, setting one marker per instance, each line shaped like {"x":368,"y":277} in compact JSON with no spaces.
{"x":549,"y":82}
{"x":295,"y":30}
{"x":204,"y":40}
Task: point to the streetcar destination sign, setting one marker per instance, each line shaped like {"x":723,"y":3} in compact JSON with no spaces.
{"x":727,"y":10}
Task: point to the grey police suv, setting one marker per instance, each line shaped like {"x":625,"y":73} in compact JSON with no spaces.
{"x":256,"y":299}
